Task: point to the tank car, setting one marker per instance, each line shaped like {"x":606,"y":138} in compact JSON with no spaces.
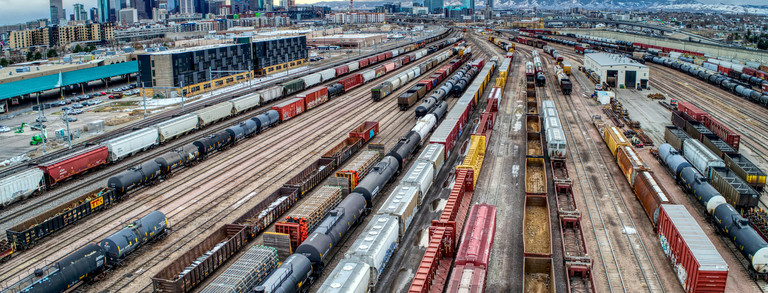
{"x":405,"y":147}
{"x":381,"y":173}
{"x":699,"y":187}
{"x":752,"y":246}
{"x":134,"y":177}
{"x":150,"y":227}
{"x":294,"y":275}
{"x":439,"y":110}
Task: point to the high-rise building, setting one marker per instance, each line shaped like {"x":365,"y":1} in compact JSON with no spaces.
{"x":469,"y":4}
{"x":104,"y":7}
{"x":57,"y":12}
{"x":80,"y":13}
{"x":186,"y":6}
{"x":94,"y":15}
{"x":143,"y":7}
{"x":129,"y":16}
{"x":201,"y":6}
{"x":434,"y":6}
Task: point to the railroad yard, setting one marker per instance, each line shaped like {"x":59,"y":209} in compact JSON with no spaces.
{"x":470,"y":160}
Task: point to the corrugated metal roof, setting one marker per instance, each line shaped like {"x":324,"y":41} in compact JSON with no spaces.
{"x":701,"y":247}
{"x":605,"y":59}
{"x":49,"y":82}
{"x":397,"y":202}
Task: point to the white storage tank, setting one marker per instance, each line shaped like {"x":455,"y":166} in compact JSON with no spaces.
{"x":348,"y":276}
{"x":176,"y":127}
{"x":213,"y":113}
{"x":375,"y":245}
{"x":20,"y":185}
{"x":700,"y":156}
{"x":421,"y":175}
{"x":130,"y":143}
{"x":402,"y":203}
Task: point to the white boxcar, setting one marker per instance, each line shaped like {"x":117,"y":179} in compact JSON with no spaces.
{"x":213,"y":113}
{"x":421,"y":175}
{"x":312,"y":80}
{"x":349,"y":276}
{"x":176,"y":127}
{"x":246,"y":102}
{"x":546,"y":104}
{"x":434,"y":154}
{"x":271,"y":94}
{"x":354,"y":65}
{"x":375,"y":245}
{"x":328,"y":74}
{"x":131,"y":143}
{"x":20,"y":185}
{"x":421,"y":53}
{"x":556,"y":143}
{"x":424,"y":126}
{"x":395,"y":53}
{"x":368,"y":75}
{"x":402,"y":203}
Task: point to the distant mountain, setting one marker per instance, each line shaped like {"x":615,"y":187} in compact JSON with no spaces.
{"x":722,"y":6}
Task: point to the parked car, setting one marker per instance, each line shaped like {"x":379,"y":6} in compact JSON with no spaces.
{"x":96,"y":101}
{"x":41,"y":119}
{"x":71,"y":118}
{"x":4,"y":128}
{"x":77,"y":105}
{"x":116,"y":96}
{"x":77,"y":111}
{"x":37,"y":126}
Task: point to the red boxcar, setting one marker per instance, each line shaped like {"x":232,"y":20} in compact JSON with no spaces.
{"x":381,"y":70}
{"x":389,"y":67}
{"x":749,"y":71}
{"x":362,"y":63}
{"x":388,"y":55}
{"x":74,"y":164}
{"x":351,"y":81}
{"x":382,"y":57}
{"x":692,"y":254}
{"x":479,"y":63}
{"x":289,"y":108}
{"x":477,"y":239}
{"x":691,"y":110}
{"x":341,"y":70}
{"x":314,"y":97}
{"x":366,"y":131}
{"x":728,"y":135}
{"x":405,"y":60}
{"x":467,"y":279}
{"x":373,"y":60}
{"x":651,"y":195}
{"x":427,"y":83}
{"x":724,"y":70}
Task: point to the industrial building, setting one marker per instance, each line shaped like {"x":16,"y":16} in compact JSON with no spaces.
{"x":190,"y":68}
{"x":617,"y":71}
{"x":193,"y":68}
{"x":348,"y":40}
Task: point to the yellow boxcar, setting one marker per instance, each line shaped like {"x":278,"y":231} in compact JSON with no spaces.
{"x":614,"y":138}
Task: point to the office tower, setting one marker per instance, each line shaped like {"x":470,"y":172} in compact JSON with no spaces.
{"x":57,"y":12}
{"x":186,"y":6}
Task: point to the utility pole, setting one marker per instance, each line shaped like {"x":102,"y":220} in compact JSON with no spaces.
{"x":40,"y":117}
{"x":69,"y":135}
{"x":210,"y":78}
{"x":144,"y":97}
{"x":182,"y":96}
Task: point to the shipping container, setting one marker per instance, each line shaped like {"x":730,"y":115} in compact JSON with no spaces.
{"x":62,"y":168}
{"x":614,"y":138}
{"x":351,"y":82}
{"x":737,"y":192}
{"x":366,"y":131}
{"x":32,"y":230}
{"x":191,"y":268}
{"x":131,"y":143}
{"x":375,"y":245}
{"x":289,"y":108}
{"x":246,"y":272}
{"x":538,"y":275}
{"x":176,"y":127}
{"x":537,"y":238}
{"x":630,"y":163}
{"x":246,"y":102}
{"x":695,"y":260}
{"x":402,"y":203}
{"x":213,"y":113}
{"x":314,"y":97}
{"x":650,"y":194}
{"x":746,"y":170}
{"x":349,"y":276}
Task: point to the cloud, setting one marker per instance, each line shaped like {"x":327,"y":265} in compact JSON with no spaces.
{"x":19,"y":11}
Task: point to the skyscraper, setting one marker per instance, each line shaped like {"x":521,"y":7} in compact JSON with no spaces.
{"x":94,"y":14}
{"x":469,"y":4}
{"x":57,"y":12}
{"x":80,"y":12}
{"x":106,"y":11}
{"x":186,"y":6}
{"x":434,"y":6}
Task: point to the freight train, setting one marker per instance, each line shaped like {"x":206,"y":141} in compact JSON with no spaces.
{"x":557,"y":145}
{"x":28,"y":233}
{"x":93,"y":259}
{"x":441,"y":93}
{"x":27,"y":183}
{"x":311,"y":257}
{"x":724,"y":216}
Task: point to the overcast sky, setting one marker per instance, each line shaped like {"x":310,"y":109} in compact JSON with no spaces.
{"x":16,"y":11}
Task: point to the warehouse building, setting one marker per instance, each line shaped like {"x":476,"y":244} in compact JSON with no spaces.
{"x":193,"y":68}
{"x":617,"y":71}
{"x":190,"y":68}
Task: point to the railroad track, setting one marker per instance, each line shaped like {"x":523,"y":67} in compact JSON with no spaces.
{"x":175,"y":112}
{"x":62,"y":193}
{"x":322,"y":116}
{"x":602,"y":208}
